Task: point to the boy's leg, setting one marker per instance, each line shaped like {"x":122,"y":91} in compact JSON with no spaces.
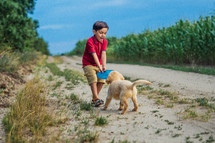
{"x":94,"y":89}
{"x":99,"y":87}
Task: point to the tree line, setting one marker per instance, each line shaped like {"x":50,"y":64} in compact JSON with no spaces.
{"x":184,"y":43}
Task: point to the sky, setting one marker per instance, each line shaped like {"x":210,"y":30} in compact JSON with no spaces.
{"x":65,"y":22}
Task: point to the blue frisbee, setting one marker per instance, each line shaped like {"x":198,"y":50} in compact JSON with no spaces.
{"x":104,"y":75}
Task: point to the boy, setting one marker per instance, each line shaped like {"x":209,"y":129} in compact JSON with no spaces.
{"x":94,"y":59}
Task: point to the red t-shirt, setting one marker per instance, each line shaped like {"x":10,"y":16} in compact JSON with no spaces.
{"x":93,"y":46}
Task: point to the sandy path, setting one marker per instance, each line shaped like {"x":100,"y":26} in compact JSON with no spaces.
{"x":186,"y":82}
{"x":152,"y":123}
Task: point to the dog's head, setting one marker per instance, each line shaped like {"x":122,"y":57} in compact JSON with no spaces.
{"x":113,"y":76}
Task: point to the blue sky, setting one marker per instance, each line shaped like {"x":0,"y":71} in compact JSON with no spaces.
{"x":64,"y":22}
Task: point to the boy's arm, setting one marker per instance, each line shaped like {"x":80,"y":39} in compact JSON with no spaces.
{"x":96,"y":61}
{"x":103,"y":60}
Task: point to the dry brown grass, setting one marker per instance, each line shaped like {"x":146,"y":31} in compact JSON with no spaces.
{"x":28,"y":119}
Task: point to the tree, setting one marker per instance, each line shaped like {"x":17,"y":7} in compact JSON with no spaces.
{"x":17,"y":30}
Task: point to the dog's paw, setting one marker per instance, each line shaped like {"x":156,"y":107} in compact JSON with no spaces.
{"x":104,"y":108}
{"x":135,"y":110}
{"x":120,"y":109}
{"x":121,"y":113}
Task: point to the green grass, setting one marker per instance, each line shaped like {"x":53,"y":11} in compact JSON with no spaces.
{"x":101,"y":121}
{"x":205,"y":102}
{"x":70,"y":75}
{"x":201,"y":70}
{"x":86,"y":106}
{"x":54,"y":69}
{"x":10,"y":62}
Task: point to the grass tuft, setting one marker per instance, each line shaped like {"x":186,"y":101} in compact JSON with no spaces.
{"x":101,"y":121}
{"x":27,"y":117}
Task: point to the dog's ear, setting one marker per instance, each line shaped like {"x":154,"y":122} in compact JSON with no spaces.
{"x":108,"y":80}
{"x":121,"y":77}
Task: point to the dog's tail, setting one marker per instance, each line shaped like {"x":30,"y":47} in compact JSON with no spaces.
{"x":139,"y":82}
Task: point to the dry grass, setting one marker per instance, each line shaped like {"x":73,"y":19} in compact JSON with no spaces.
{"x":28,"y":119}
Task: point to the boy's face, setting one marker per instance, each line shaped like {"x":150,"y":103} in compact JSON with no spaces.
{"x":100,"y":34}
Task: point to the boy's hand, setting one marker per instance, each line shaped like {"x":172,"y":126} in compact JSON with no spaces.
{"x":100,"y":69}
{"x":104,"y":69}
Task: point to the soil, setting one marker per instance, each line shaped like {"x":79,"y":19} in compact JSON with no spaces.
{"x":152,"y":123}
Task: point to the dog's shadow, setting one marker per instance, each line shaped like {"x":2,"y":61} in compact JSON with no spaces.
{"x":115,"y":112}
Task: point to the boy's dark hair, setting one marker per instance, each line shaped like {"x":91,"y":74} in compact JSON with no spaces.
{"x":99,"y":25}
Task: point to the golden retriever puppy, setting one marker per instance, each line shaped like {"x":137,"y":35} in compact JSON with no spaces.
{"x":121,"y":89}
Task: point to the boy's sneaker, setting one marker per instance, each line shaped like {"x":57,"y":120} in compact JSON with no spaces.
{"x":97,"y":102}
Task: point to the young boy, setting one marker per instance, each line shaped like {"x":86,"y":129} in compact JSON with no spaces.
{"x":94,"y":59}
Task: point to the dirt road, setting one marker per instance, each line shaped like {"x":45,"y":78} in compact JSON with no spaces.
{"x":153,"y":123}
{"x":188,"y":83}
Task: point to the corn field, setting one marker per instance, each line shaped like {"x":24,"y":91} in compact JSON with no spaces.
{"x":181,"y":44}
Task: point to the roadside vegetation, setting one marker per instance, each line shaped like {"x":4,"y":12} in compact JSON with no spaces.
{"x":18,"y":32}
{"x":10,"y":61}
{"x":41,"y":107}
{"x":187,"y":46}
{"x":28,"y":115}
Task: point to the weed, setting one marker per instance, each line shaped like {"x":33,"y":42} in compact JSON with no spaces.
{"x":54,"y":69}
{"x":58,"y":84}
{"x":143,"y":88}
{"x":124,"y":141}
{"x":189,"y":114}
{"x":86,"y":106}
{"x":204,"y":133}
{"x":188,"y":140}
{"x":85,"y":122}
{"x":101,"y":121}
{"x":210,"y":139}
{"x":55,"y":95}
{"x":9,"y":62}
{"x":159,"y":102}
{"x":74,"y":76}
{"x":50,"y":78}
{"x":166,"y":85}
{"x":202,"y":101}
{"x":176,"y":135}
{"x":28,"y":115}
{"x":159,"y":130}
{"x":178,"y":127}
{"x":169,"y":123}
{"x":184,"y":101}
{"x":150,"y":96}
{"x":74,"y":98}
{"x":160,"y":84}
{"x":147,"y":127}
{"x":169,"y":105}
{"x":164,"y":92}
{"x":87,"y":136}
{"x":205,"y":102}
{"x":154,"y":111}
